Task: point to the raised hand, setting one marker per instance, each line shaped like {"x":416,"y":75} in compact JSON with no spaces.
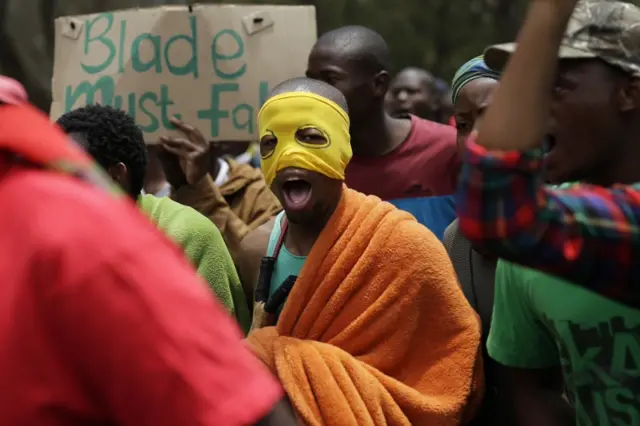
{"x":195,"y":152}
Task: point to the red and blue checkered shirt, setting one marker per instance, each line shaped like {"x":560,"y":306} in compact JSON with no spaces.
{"x":587,"y":234}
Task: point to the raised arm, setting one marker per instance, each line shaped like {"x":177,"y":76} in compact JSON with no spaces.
{"x":586,"y":234}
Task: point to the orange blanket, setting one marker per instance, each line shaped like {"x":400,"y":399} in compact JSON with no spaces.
{"x":376,"y":330}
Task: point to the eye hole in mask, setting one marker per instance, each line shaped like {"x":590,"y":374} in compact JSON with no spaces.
{"x":312,"y":137}
{"x":268,"y":144}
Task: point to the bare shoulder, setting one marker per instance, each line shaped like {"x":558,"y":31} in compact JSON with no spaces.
{"x":256,"y":241}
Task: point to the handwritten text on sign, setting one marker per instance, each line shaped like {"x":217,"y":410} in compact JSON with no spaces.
{"x":204,"y":76}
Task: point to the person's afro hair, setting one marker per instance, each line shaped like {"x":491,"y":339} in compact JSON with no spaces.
{"x":112,"y":137}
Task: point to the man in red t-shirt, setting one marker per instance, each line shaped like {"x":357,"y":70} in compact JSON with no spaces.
{"x":102,"y":321}
{"x":392,"y":157}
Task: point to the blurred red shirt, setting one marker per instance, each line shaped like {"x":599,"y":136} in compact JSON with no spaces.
{"x":103,"y":322}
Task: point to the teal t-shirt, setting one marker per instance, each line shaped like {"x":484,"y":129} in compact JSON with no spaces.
{"x":287,"y":264}
{"x":540,"y":321}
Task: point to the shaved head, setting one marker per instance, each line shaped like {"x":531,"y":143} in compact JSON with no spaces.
{"x":308,"y":85}
{"x":355,"y":60}
{"x":359,"y":44}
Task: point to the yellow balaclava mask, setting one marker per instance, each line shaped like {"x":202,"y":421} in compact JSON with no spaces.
{"x":284,"y":115}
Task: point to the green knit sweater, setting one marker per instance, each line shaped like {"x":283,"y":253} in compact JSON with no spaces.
{"x":204,"y":247}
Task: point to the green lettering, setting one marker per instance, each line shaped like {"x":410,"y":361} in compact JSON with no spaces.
{"x":165,"y":102}
{"x":218,"y":56}
{"x":626,"y":355}
{"x":137,"y":63}
{"x":247,"y":123}
{"x":587,"y":361}
{"x":88,"y":39}
{"x":600,"y":409}
{"x":153,"y":125}
{"x":264,"y":93}
{"x":581,"y":359}
{"x":105,"y":85}
{"x":131,"y":102}
{"x":123,"y":39}
{"x":214,"y":114}
{"x":582,"y":417}
{"x":191,"y":67}
{"x":622,"y":402}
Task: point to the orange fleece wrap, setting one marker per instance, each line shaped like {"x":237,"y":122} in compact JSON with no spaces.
{"x":376,"y":330}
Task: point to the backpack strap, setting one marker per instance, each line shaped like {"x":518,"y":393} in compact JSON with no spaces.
{"x":284,"y":225}
{"x":268,"y":264}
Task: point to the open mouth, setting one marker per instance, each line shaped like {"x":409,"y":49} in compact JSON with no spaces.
{"x":297,"y":193}
{"x":401,"y":112}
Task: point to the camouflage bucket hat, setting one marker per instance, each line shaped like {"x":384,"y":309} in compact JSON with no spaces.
{"x":608,"y":30}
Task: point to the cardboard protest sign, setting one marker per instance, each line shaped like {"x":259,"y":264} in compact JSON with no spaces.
{"x":211,"y":65}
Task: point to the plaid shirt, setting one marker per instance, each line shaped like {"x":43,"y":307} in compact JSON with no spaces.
{"x":586,"y":234}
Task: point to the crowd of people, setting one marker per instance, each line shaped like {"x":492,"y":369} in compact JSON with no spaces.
{"x":377,"y":266}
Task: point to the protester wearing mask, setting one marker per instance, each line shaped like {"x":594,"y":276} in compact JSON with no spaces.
{"x":103,"y":321}
{"x":358,"y":274}
{"x":394,"y":158}
{"x":542,"y":326}
{"x":117,"y":143}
